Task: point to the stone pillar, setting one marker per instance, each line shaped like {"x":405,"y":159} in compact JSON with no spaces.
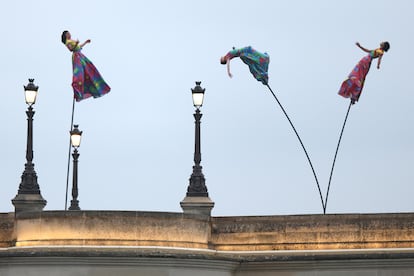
{"x":198,"y":205}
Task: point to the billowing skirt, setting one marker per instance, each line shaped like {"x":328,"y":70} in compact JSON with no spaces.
{"x":87,"y":82}
{"x":258,"y":63}
{"x":352,"y":86}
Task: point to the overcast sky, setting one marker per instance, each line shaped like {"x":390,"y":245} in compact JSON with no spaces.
{"x":138,"y":140}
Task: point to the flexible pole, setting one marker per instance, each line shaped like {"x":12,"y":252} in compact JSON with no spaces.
{"x":67,"y":173}
{"x":301,"y":143}
{"x":334,"y":160}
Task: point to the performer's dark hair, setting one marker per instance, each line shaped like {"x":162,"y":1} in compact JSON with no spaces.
{"x":386,"y":46}
{"x":64,"y":37}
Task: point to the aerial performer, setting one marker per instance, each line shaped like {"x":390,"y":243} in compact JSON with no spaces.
{"x":87,"y":82}
{"x":352,"y":88}
{"x":258,"y":62}
{"x":258,"y":65}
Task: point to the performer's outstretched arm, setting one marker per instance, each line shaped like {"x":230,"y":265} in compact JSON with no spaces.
{"x":226,"y":59}
{"x":86,"y":42}
{"x":228,"y":68}
{"x":362,"y":48}
{"x":379,"y":62}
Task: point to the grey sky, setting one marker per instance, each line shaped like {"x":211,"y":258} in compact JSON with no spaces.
{"x":138,"y":141}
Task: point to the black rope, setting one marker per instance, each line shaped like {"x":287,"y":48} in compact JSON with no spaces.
{"x":300,"y":140}
{"x":334,"y":160}
{"x":70,"y":144}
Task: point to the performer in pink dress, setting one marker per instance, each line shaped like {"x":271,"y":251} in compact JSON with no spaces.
{"x":352,"y":86}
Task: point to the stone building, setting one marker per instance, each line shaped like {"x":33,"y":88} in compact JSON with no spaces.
{"x":157,"y":244}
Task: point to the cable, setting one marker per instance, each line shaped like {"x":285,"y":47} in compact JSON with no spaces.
{"x":67,"y":173}
{"x":301,"y":143}
{"x":334,"y":160}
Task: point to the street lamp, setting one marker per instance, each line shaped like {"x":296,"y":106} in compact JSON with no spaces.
{"x":28,"y":197}
{"x":198,"y":95}
{"x":75,"y":139}
{"x":197,"y":201}
{"x":197,"y":185}
{"x":30,"y":92}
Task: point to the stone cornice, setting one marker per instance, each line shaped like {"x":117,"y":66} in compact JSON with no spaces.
{"x":222,"y":234}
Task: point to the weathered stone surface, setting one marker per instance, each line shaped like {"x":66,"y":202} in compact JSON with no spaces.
{"x":7,"y":235}
{"x":313,"y":232}
{"x":158,"y":244}
{"x":104,"y":228}
{"x":118,"y":228}
{"x":197,"y":205}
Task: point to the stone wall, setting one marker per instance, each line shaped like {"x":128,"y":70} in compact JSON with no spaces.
{"x":159,"y":244}
{"x":108,"y":228}
{"x":161,"y":261}
{"x":7,"y":226}
{"x":313,"y":232}
{"x":129,"y":228}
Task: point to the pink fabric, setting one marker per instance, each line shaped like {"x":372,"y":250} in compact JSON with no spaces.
{"x":352,"y":86}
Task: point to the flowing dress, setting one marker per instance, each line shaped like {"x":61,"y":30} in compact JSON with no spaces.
{"x":352,"y":86}
{"x":258,"y":62}
{"x":86,"y":82}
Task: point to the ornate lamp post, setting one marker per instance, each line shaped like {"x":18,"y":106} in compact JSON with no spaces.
{"x":28,"y":197}
{"x":197,"y":185}
{"x":75,"y":138}
{"x":197,"y":200}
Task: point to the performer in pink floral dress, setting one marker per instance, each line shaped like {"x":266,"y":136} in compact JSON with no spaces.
{"x":352,"y":86}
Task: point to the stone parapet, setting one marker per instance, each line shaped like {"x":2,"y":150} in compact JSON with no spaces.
{"x":195,"y":231}
{"x":7,"y":235}
{"x":111,"y":228}
{"x":313,"y":232}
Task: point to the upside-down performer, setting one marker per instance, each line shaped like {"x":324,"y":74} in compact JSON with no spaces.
{"x":352,"y":86}
{"x":87,"y":82}
{"x":258,"y":65}
{"x":258,"y":62}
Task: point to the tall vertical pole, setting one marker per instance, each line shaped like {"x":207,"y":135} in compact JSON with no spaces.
{"x":74,"y":203}
{"x":197,"y":185}
{"x":28,"y":198}
{"x":197,"y":200}
{"x":68,"y":168}
{"x":29,"y":183}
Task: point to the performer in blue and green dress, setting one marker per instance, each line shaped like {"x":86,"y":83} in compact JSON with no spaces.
{"x":258,"y":62}
{"x":87,"y":82}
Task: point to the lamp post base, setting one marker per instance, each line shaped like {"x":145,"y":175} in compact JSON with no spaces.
{"x":198,"y":205}
{"x":28,"y":203}
{"x":74,"y":205}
